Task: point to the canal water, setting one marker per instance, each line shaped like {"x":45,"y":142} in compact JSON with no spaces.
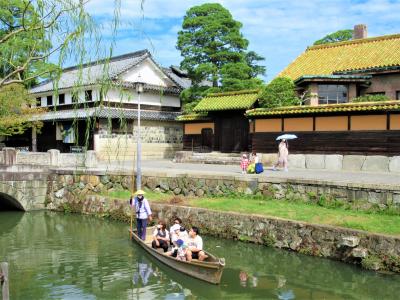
{"x":68,"y":256}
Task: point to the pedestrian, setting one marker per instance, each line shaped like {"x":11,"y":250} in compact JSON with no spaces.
{"x":143,"y":212}
{"x":283,"y":153}
{"x":244,"y":163}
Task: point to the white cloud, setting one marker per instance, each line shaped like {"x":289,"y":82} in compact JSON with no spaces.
{"x":279,"y":30}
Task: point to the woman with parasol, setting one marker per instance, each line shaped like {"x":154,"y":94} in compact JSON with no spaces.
{"x":283,"y":151}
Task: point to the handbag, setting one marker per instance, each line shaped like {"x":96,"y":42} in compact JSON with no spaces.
{"x":259,"y":168}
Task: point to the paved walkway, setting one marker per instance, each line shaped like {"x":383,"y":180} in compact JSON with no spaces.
{"x":387,"y":179}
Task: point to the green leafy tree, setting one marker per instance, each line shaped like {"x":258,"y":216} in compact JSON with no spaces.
{"x":370,"y":98}
{"x":252,"y":59}
{"x":16,"y":113}
{"x":26,"y":29}
{"x":209,"y":39}
{"x":338,"y":36}
{"x":238,"y":76}
{"x":215,"y":51}
{"x":279,"y":92}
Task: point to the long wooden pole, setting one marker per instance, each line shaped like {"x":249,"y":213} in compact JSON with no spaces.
{"x":4,"y":280}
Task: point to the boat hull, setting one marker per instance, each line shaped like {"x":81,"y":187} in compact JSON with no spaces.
{"x":207,"y":271}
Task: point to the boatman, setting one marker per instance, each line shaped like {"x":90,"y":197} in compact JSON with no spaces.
{"x":143,"y":212}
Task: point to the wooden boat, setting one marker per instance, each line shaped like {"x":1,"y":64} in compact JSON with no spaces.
{"x":209,"y":270}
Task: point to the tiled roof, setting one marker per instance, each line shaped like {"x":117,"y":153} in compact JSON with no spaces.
{"x":107,"y":112}
{"x":94,"y":72}
{"x":193,"y":117}
{"x":182,"y":82}
{"x":228,"y":101}
{"x":369,"y":53}
{"x":327,"y":108}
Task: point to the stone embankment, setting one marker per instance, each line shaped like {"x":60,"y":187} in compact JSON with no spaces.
{"x":372,"y":251}
{"x":359,"y":196}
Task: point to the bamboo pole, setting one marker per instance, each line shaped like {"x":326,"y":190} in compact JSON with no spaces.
{"x":4,"y":280}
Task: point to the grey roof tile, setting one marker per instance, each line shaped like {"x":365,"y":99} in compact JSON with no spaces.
{"x":94,"y":72}
{"x":107,"y":112}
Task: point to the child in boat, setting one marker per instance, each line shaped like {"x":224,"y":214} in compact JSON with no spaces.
{"x":178,"y":250}
{"x":181,"y":251}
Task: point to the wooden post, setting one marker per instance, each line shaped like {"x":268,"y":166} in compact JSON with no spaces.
{"x":4,"y":280}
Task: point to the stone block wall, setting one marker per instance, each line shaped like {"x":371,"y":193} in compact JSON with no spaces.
{"x":159,"y":140}
{"x":357,"y":196}
{"x":373,"y":251}
{"x":337,"y":162}
{"x":33,"y":158}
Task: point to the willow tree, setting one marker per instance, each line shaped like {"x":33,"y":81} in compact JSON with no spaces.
{"x":33,"y":32}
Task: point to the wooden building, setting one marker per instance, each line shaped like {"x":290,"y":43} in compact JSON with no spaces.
{"x":330,"y":123}
{"x":219,"y":123}
{"x":353,"y":128}
{"x":94,"y":107}
{"x":336,"y":73}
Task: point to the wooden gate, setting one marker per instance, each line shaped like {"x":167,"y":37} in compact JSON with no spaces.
{"x":232,"y":133}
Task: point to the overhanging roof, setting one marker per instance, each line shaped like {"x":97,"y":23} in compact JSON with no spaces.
{"x":327,"y":108}
{"x":333,"y":78}
{"x":228,"y":101}
{"x":104,"y":70}
{"x":193,"y":117}
{"x":355,"y":55}
{"x":106,"y":112}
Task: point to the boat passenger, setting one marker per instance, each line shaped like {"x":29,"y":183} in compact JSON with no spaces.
{"x":161,"y":237}
{"x":181,"y":251}
{"x":183,"y":234}
{"x":195,"y":245}
{"x":177,"y":225}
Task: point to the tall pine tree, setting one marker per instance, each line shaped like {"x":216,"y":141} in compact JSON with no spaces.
{"x":214,"y":51}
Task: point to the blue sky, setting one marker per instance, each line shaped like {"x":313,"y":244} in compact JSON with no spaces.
{"x":279,"y":30}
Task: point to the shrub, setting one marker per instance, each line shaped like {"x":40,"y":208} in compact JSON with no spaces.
{"x":279,"y":92}
{"x":370,"y":98}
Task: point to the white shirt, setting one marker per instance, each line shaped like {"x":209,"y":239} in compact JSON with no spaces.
{"x":183,"y":235}
{"x":142,"y":210}
{"x":195,"y":242}
{"x":156,"y":232}
{"x":173,"y":227}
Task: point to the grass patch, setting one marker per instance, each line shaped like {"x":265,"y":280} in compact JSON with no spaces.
{"x":312,"y":213}
{"x":335,"y":215}
{"x":125,"y":195}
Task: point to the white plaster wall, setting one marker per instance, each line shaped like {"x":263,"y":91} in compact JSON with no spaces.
{"x":68,"y":96}
{"x":147,"y":98}
{"x":149,"y":73}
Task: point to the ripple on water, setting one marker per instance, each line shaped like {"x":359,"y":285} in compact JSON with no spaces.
{"x":57,"y":256}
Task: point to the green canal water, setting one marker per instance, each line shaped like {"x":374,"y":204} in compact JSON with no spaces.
{"x":57,"y":256}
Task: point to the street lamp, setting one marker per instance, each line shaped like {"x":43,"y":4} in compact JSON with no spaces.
{"x":139,"y":85}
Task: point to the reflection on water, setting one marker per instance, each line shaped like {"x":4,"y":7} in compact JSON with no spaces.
{"x":57,"y":256}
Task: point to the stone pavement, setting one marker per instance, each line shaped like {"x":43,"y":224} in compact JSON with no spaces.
{"x":341,"y":177}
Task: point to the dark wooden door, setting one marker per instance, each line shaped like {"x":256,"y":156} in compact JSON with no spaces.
{"x":206,"y":139}
{"x":233,"y":132}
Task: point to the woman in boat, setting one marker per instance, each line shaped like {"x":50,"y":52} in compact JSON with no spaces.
{"x":143,"y":212}
{"x":161,"y":237}
{"x":177,"y":224}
